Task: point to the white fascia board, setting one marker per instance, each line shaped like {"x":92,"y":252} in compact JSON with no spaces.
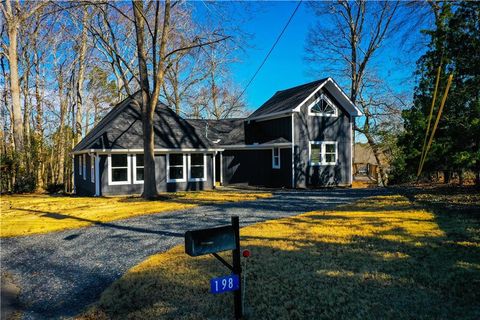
{"x":320,"y":86}
{"x":281,"y":145}
{"x":355,"y":111}
{"x":107,"y":151}
{"x":344,"y":100}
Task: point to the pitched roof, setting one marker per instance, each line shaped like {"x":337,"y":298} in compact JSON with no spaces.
{"x":287,"y":100}
{"x":122,"y":128}
{"x":221,"y":132}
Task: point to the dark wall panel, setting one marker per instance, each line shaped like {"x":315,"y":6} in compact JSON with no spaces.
{"x":263,"y":131}
{"x":83,"y":184}
{"x":254,"y":167}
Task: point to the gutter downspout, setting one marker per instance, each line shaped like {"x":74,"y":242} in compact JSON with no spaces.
{"x":97,"y":175}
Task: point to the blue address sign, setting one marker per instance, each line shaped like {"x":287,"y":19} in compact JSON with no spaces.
{"x":224,"y":284}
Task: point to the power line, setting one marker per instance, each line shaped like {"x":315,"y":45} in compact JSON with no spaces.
{"x":269,"y":52}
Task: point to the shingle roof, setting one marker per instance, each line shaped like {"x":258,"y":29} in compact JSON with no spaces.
{"x":221,"y":132}
{"x":287,"y":100}
{"x":122,"y":128}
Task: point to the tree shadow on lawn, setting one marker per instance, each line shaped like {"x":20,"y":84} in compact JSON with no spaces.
{"x":355,"y":276}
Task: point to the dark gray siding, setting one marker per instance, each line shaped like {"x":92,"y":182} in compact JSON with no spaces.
{"x":161,"y":178}
{"x":254,"y":167}
{"x":264,"y":131}
{"x":83,"y":183}
{"x":313,"y":128}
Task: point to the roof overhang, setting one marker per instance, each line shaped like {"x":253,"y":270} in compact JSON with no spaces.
{"x":257,"y":146}
{"x":333,"y":88}
{"x":164,"y":150}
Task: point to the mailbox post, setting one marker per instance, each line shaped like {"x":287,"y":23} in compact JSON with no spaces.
{"x":211,"y":241}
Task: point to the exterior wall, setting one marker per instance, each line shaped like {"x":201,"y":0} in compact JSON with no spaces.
{"x":254,"y":167}
{"x":83,"y":183}
{"x":160,"y":176}
{"x":264,"y":131}
{"x":317,"y":128}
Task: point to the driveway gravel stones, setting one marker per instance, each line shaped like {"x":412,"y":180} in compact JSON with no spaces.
{"x":61,"y":273}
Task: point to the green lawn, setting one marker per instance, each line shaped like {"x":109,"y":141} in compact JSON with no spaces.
{"x":408,"y":256}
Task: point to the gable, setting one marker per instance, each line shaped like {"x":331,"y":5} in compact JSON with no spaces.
{"x":122,"y":128}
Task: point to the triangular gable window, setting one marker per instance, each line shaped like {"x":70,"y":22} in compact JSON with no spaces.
{"x":323,"y":107}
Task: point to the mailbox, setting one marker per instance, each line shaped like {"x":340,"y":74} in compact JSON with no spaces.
{"x":206,"y":241}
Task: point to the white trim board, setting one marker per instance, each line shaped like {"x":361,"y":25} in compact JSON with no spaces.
{"x":110,"y":151}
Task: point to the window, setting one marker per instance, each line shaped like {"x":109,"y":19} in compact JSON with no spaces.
{"x":92,"y":168}
{"x":322,"y":107}
{"x":198,"y":170}
{"x":80,"y":166}
{"x":84,"y":166}
{"x":138,"y":167}
{"x":323,"y":153}
{"x":118,"y":169}
{"x":276,"y":158}
{"x":176,"y":167}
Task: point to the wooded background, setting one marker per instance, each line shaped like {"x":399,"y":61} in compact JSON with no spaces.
{"x":65,"y":64}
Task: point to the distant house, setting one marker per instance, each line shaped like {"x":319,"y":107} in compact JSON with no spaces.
{"x":364,"y":162}
{"x":301,"y":137}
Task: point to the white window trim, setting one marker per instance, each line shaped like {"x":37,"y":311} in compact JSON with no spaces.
{"x":84,"y":166}
{"x":80,"y":164}
{"x":92,"y":168}
{"x":135,"y":181}
{"x":184,"y":178}
{"x":322,"y":153}
{"x":190,"y":179}
{"x":321,"y":114}
{"x":113,"y":183}
{"x":273,"y":158}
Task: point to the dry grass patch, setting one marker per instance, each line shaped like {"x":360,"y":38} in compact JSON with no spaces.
{"x":383,"y":257}
{"x":32,"y":214}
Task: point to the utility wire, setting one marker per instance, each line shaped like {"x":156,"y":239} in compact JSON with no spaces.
{"x":269,"y":52}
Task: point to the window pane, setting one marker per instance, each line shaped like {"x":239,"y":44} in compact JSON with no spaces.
{"x":329,"y":158}
{"x":276,"y":152}
{"x":330,"y":148}
{"x":119,"y":174}
{"x":176,"y":172}
{"x":119,"y":160}
{"x":316,"y":108}
{"x":315,"y":156}
{"x":196,"y":159}
{"x":139,"y":160}
{"x":275,"y":161}
{"x":139,"y":174}
{"x":197,"y":172}
{"x":176,"y":159}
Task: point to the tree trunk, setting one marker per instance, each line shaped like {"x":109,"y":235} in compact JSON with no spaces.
{"x":15,"y":89}
{"x":149,"y":184}
{"x":38,"y":163}
{"x":81,"y":77}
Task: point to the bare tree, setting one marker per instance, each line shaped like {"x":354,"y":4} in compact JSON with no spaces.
{"x":15,"y":16}
{"x":346,"y":46}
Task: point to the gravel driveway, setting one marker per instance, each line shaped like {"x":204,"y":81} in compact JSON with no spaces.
{"x":63,"y":272}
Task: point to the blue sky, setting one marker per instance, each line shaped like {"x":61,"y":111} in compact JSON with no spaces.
{"x":286,"y":66}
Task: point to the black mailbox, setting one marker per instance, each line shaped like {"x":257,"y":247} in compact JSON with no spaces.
{"x":206,"y":241}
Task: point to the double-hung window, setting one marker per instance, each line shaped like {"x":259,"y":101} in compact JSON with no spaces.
{"x":197,"y":167}
{"x":323,"y":153}
{"x":118,"y":169}
{"x":138,"y":167}
{"x":92,"y":168}
{"x":176,"y":171}
{"x":276,"y":158}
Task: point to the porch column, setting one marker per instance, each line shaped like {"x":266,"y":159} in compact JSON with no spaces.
{"x":221,"y":168}
{"x":97,"y":175}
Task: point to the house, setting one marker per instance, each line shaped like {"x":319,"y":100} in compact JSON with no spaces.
{"x":364,"y":162}
{"x":301,"y":137}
